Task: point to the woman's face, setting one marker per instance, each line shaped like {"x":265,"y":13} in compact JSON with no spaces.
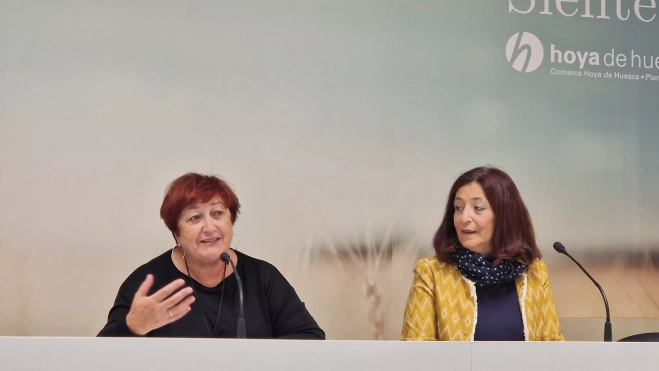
{"x":205,"y":231}
{"x":473,"y":219}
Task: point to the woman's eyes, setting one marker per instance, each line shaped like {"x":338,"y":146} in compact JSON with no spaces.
{"x":215,"y":214}
{"x":478,"y":208}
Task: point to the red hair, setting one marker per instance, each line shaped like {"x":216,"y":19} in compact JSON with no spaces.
{"x":193,"y":188}
{"x":513,"y":237}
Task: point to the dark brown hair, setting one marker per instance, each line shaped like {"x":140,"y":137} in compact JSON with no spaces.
{"x":513,"y":237}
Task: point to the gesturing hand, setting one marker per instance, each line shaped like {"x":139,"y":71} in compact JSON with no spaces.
{"x":165,"y":306}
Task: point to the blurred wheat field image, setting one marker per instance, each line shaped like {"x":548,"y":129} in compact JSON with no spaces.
{"x":341,"y":126}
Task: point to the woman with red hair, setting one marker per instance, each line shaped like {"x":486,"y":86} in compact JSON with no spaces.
{"x":192,"y":291}
{"x":486,"y":281}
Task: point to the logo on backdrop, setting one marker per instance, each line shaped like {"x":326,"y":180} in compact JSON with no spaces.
{"x":525,"y":53}
{"x":524,"y":50}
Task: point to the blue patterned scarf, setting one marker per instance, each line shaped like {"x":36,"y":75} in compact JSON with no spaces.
{"x":479,"y":269}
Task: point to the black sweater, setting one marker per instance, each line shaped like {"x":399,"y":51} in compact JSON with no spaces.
{"x":272,"y":308}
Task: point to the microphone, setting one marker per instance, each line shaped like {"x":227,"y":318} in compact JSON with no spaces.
{"x":607,"y":325}
{"x":241,"y":333}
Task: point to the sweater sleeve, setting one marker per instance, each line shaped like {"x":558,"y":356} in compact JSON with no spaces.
{"x":549,"y":327}
{"x":116,"y":325}
{"x":420,"y":321}
{"x":290,"y":317}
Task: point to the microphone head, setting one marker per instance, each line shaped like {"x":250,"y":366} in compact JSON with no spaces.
{"x":559,"y":247}
{"x":225,"y":257}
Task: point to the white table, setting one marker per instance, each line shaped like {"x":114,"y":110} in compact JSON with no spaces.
{"x":51,"y":353}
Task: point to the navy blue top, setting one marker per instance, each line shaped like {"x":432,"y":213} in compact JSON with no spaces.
{"x":499,"y":315}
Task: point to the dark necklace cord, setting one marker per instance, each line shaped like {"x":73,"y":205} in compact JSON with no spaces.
{"x":194,"y":292}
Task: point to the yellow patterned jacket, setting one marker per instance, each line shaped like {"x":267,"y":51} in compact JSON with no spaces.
{"x":442,"y":304}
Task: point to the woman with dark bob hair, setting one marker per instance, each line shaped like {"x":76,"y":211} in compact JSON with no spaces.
{"x":192,"y":290}
{"x":486,"y":282}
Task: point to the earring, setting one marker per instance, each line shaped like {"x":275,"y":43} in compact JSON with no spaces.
{"x":173,"y":248}
{"x":237,"y":239}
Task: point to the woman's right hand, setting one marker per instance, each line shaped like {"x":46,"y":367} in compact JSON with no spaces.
{"x":165,"y":306}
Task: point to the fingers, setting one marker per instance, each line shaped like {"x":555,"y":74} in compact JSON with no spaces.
{"x":167,"y":305}
{"x":166,"y":291}
{"x":143,"y":290}
{"x":180,"y":310}
{"x":177,"y":297}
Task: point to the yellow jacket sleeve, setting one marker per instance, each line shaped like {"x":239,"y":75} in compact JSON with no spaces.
{"x":420,"y":321}
{"x":547,"y":325}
